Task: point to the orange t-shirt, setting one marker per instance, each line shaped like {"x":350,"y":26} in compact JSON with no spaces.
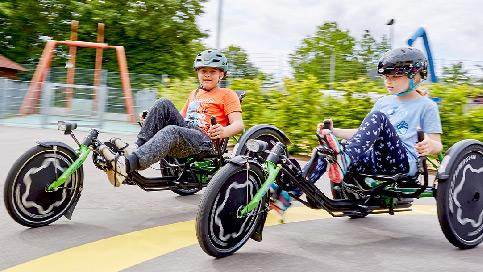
{"x":219,"y":103}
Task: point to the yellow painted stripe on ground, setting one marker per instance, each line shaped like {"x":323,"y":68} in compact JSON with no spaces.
{"x":118,"y":252}
{"x":124,"y":251}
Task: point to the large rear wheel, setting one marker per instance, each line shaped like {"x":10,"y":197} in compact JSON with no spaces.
{"x":25,"y":195}
{"x":219,"y":228}
{"x":460,"y":199}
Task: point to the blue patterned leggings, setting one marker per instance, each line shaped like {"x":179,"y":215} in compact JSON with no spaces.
{"x":374,"y":149}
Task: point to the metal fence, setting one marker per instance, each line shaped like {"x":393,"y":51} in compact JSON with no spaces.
{"x":104,"y":103}
{"x":12,"y":93}
{"x":93,"y":106}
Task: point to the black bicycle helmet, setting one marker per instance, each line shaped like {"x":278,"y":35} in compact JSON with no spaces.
{"x":403,"y":61}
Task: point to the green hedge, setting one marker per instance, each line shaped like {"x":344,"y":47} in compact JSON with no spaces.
{"x":299,"y":106}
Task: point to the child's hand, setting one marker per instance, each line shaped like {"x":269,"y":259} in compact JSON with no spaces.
{"x":216,"y":131}
{"x":424,"y":147}
{"x":321,"y":130}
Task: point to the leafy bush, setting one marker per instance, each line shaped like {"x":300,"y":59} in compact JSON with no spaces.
{"x":301,"y":105}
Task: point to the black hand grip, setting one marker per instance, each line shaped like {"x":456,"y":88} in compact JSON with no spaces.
{"x":213,"y":120}
{"x":420,"y":135}
{"x":326,"y":124}
{"x":144,"y":114}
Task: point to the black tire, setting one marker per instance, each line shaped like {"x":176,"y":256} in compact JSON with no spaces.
{"x":268,"y":135}
{"x":186,"y":192}
{"x":25,"y":196}
{"x":166,"y":171}
{"x":358,"y":216}
{"x":223,"y":190}
{"x":460,"y":199}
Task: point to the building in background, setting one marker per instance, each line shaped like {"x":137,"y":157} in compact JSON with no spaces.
{"x":9,"y":68}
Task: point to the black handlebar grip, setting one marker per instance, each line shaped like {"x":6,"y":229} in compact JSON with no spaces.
{"x":144,"y":114}
{"x":420,"y":135}
{"x":213,"y":120}
{"x":326,"y":124}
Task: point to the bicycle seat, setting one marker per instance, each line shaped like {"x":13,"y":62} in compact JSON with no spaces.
{"x":241,"y":94}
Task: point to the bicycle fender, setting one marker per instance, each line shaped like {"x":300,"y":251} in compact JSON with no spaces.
{"x":55,"y":143}
{"x":242,"y":160}
{"x":449,"y":159}
{"x":248,"y":134}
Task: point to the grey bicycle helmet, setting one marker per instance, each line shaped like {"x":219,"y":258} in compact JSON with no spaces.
{"x":403,"y":61}
{"x":211,"y":58}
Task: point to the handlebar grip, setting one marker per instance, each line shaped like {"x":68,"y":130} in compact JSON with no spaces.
{"x":144,"y":114}
{"x":213,"y":120}
{"x":420,"y":135}
{"x":326,"y":124}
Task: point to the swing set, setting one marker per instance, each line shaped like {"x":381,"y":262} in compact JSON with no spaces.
{"x":31,"y":99}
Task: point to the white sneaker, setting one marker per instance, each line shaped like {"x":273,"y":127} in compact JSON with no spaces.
{"x":123,"y":146}
{"x":117,"y":175}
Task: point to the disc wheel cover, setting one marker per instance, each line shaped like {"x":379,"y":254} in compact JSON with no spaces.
{"x":465,"y":201}
{"x":227,"y":229}
{"x":31,"y":200}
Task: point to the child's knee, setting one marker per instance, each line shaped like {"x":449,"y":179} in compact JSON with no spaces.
{"x":377,"y":116}
{"x":170,"y":129}
{"x":163,"y":102}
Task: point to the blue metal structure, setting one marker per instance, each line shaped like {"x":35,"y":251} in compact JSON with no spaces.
{"x":422,"y":33}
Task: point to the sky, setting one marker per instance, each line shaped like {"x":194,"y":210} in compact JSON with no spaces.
{"x":269,"y":30}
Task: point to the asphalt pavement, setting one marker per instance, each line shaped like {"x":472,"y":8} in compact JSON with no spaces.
{"x":127,"y":229}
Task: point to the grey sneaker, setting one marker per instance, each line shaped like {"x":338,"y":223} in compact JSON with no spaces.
{"x":123,"y":146}
{"x":117,"y":175}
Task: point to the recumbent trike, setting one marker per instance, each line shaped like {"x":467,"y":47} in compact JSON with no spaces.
{"x":46,"y":182}
{"x":235,"y":204}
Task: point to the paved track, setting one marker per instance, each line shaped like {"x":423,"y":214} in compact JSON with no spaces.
{"x":128,"y":229}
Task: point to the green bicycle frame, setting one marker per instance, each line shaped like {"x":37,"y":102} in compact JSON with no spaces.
{"x":82,"y":153}
{"x":203,"y":170}
{"x":426,"y":193}
{"x":273,"y":171}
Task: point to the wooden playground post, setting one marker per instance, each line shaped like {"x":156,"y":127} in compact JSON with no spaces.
{"x":98,"y":67}
{"x":33,"y":93}
{"x":126,"y":84}
{"x":69,"y":94}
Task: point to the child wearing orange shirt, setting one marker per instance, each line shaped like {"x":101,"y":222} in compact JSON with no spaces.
{"x":167,"y":132}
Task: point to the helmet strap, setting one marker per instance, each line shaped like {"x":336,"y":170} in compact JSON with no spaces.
{"x":201,"y":88}
{"x":411,"y":88}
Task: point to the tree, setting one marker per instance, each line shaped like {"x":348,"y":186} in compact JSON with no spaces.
{"x":313,"y":57}
{"x":369,"y":51}
{"x":455,"y":74}
{"x":239,"y":65}
{"x":160,"y":36}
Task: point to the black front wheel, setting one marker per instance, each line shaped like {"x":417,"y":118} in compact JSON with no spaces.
{"x":219,"y":228}
{"x":25,"y":195}
{"x":185,"y":192}
{"x":460,"y":199}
